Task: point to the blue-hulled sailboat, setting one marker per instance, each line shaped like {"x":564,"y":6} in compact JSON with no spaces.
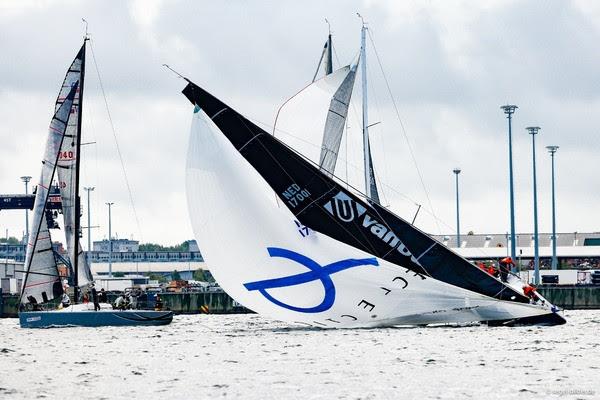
{"x":42,"y":285}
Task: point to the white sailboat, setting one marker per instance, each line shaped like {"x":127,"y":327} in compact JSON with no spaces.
{"x":42,"y":283}
{"x":325,"y":255}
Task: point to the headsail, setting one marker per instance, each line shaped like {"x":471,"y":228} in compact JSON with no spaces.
{"x":322,"y":205}
{"x":42,"y":281}
{"x":68,"y":165}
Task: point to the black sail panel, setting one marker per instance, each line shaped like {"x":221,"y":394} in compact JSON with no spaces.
{"x":326,"y":207}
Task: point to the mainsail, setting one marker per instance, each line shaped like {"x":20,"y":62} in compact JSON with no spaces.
{"x":326,"y":59}
{"x":323,"y":205}
{"x":68,"y":168}
{"x":42,"y":281}
{"x":335,"y":123}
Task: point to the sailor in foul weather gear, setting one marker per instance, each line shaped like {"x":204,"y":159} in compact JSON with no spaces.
{"x":505,"y":266}
{"x":529,"y":291}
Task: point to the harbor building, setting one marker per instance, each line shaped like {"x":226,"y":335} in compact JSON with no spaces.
{"x":118,"y":245}
{"x":574,"y":250}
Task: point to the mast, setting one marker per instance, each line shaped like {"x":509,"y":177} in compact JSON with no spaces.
{"x":329,"y":59}
{"x":365,"y":115}
{"x":77,"y":224}
{"x":370,"y":184}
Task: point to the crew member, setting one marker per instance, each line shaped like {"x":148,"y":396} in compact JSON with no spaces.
{"x":120,"y":302}
{"x":158,"y":304}
{"x":95,"y":297}
{"x":492,"y":271}
{"x":102,"y":296}
{"x":505,"y":266}
{"x":65,"y":300}
{"x":529,"y":291}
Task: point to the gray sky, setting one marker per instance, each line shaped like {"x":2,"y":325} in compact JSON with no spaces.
{"x":450,"y":64}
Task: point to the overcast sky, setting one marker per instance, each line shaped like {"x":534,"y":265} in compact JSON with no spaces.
{"x":450,"y":64}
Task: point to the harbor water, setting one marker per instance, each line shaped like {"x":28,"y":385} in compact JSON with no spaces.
{"x":250,"y":357}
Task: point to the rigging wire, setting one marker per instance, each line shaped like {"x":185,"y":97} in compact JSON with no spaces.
{"x":114,"y":132}
{"x":404,"y":133}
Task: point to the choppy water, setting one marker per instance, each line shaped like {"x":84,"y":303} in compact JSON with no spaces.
{"x":249,"y":357}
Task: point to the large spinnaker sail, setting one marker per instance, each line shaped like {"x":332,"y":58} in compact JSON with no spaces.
{"x":335,"y":123}
{"x":68,"y":164}
{"x":265,"y":259}
{"x":321,"y":204}
{"x":42,"y":281}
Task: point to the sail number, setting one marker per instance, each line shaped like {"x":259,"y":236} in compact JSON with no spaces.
{"x":66,"y":155}
{"x":294,"y":195}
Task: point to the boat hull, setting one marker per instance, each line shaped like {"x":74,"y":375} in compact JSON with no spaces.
{"x":50,"y":319}
{"x":549,"y":319}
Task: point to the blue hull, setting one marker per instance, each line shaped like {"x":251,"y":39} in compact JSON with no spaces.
{"x":51,"y":319}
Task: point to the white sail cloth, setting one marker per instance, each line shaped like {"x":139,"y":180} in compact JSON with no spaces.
{"x":314,"y":122}
{"x":42,"y":281}
{"x":273,"y":265}
{"x":67,"y":164}
{"x":335,"y":123}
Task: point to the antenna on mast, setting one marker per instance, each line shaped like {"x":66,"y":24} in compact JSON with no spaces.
{"x":86,"y":36}
{"x":175,"y":72}
{"x":328,"y":25}
{"x":362,"y":19}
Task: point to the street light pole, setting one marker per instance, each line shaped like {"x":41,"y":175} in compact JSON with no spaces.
{"x":533,"y":130}
{"x":26,"y":179}
{"x":552,"y":150}
{"x":456,"y":172}
{"x":509,"y":110}
{"x":89,"y":215}
{"x":109,"y":240}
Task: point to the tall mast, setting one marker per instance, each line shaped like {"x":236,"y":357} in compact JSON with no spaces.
{"x":370,"y":184}
{"x":365,"y":114}
{"x":77,"y":224}
{"x":329,"y":58}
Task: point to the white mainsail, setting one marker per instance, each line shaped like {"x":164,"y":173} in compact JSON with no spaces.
{"x":67,"y":167}
{"x":310,"y":121}
{"x":335,"y":123}
{"x":326,"y":59}
{"x":42,"y":281}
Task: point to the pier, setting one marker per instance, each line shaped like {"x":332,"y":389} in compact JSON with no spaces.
{"x":569,"y":297}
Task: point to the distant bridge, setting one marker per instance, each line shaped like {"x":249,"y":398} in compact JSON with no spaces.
{"x":25,"y":201}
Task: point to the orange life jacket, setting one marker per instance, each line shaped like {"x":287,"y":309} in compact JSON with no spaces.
{"x":528,"y":291}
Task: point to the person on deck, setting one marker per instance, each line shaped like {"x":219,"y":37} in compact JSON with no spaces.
{"x":102,"y":296}
{"x":529,"y":291}
{"x":95,"y":297}
{"x":158,"y":304}
{"x":65,"y":300}
{"x":120,"y":303}
{"x":505,"y":266}
{"x":492,"y":271}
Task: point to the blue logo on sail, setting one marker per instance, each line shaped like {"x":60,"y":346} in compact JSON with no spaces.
{"x":316,"y":273}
